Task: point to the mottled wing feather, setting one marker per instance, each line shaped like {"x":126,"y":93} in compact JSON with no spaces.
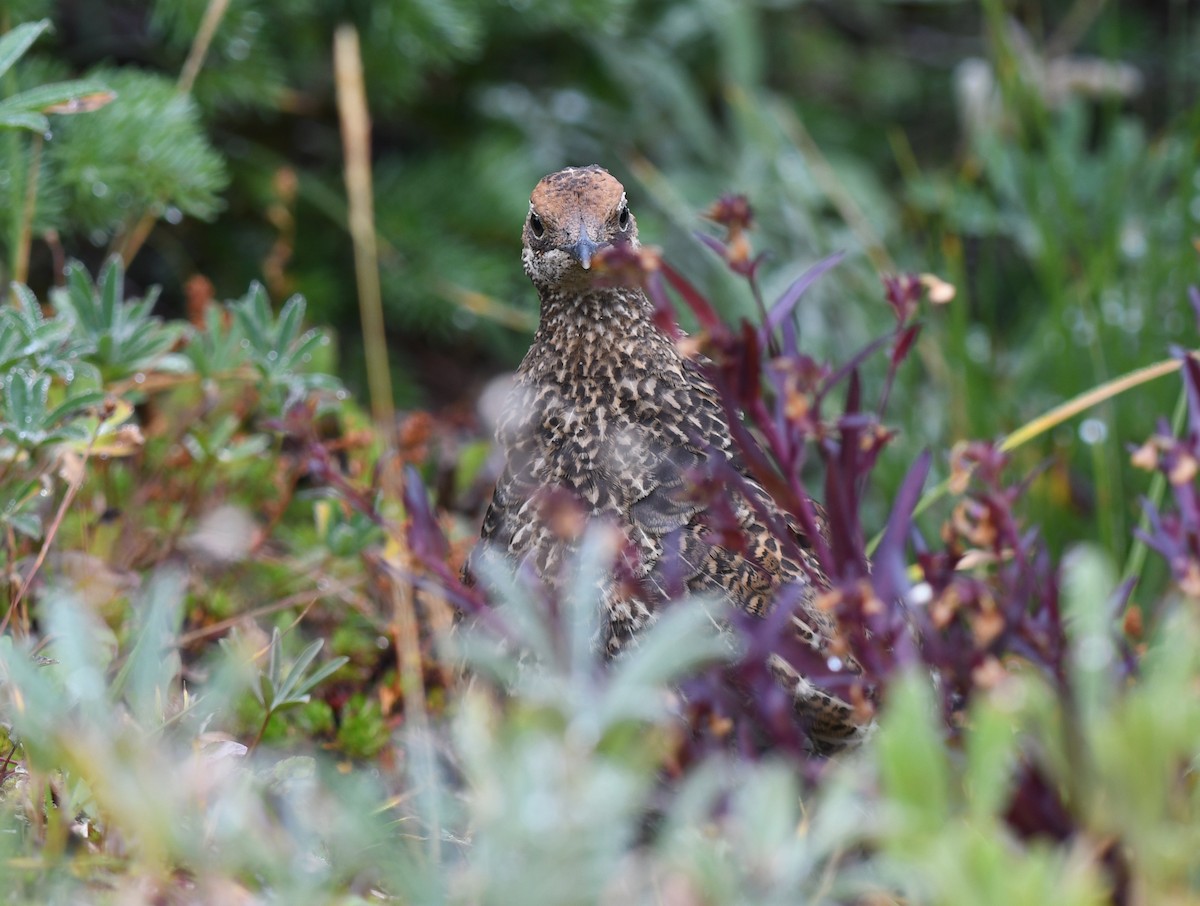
{"x":667,"y":503}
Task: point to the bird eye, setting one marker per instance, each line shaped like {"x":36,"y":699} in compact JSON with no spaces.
{"x":535,"y":226}
{"x":623,"y":219}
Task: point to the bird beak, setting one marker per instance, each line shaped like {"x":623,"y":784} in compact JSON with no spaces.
{"x":583,"y":250}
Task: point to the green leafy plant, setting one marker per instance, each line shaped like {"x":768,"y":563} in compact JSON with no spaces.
{"x":362,"y":730}
{"x":279,"y":348}
{"x":26,"y":418}
{"x":124,"y":338}
{"x":144,"y":154}
{"x":20,"y":505}
{"x":28,"y":338}
{"x":279,"y":688}
{"x":28,"y":109}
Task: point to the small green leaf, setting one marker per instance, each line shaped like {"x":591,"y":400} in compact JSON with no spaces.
{"x":34,"y":122}
{"x":291,"y":685}
{"x":39,"y":99}
{"x":16,"y":42}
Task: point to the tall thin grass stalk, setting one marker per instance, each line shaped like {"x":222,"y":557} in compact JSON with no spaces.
{"x":213,"y":14}
{"x":356,"y":142}
{"x":25,"y":234}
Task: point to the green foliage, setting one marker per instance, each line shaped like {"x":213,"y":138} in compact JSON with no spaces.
{"x":221,"y":442}
{"x":362,"y":731}
{"x":144,"y":153}
{"x":344,"y":534}
{"x":26,"y":419}
{"x":157,"y":780}
{"x":57,"y":371}
{"x":554,"y":796}
{"x":121,"y":335}
{"x":20,"y":501}
{"x":278,"y":348}
{"x":277,"y":690}
{"x":29,"y":339}
{"x":27,"y":109}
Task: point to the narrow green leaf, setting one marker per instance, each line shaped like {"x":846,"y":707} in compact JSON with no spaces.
{"x":912,"y":759}
{"x":80,"y":297}
{"x":290,"y":320}
{"x":322,"y":673}
{"x":246,"y":313}
{"x":112,"y":280}
{"x":75,"y":403}
{"x":273,"y":657}
{"x":34,"y":122}
{"x":14,"y":44}
{"x":990,"y":749}
{"x":26,"y":300}
{"x":16,"y":400}
{"x":264,"y":691}
{"x":36,"y":100}
{"x":310,"y":341}
{"x":295,"y":675}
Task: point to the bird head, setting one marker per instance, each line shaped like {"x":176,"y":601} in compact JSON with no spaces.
{"x":572,"y":215}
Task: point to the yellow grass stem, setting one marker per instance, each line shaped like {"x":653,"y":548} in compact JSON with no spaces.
{"x":1085,"y":401}
{"x":213,"y":14}
{"x":25,"y":239}
{"x":1055,"y":417}
{"x":356,"y":142}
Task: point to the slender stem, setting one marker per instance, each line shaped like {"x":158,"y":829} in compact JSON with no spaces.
{"x":1073,"y":27}
{"x":1087,"y":400}
{"x":25,"y":234}
{"x":13,"y":224}
{"x":406,"y":637}
{"x":356,"y":142}
{"x":262,"y":729}
{"x":72,"y":489}
{"x":1158,"y":486}
{"x":306,"y":598}
{"x":213,"y":14}
{"x":135,"y":237}
{"x":132,"y":238}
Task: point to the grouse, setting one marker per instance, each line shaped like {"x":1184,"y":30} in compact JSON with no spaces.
{"x":607,"y":411}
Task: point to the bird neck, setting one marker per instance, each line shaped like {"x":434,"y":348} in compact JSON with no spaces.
{"x":595,"y":329}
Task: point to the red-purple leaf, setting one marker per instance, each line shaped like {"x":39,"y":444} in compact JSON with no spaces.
{"x":782,"y":309}
{"x":700,"y":306}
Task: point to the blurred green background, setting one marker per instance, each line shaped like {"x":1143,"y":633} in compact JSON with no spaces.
{"x":1042,"y":156}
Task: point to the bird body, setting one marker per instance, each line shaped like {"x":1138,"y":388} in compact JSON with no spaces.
{"x":608,"y":412}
